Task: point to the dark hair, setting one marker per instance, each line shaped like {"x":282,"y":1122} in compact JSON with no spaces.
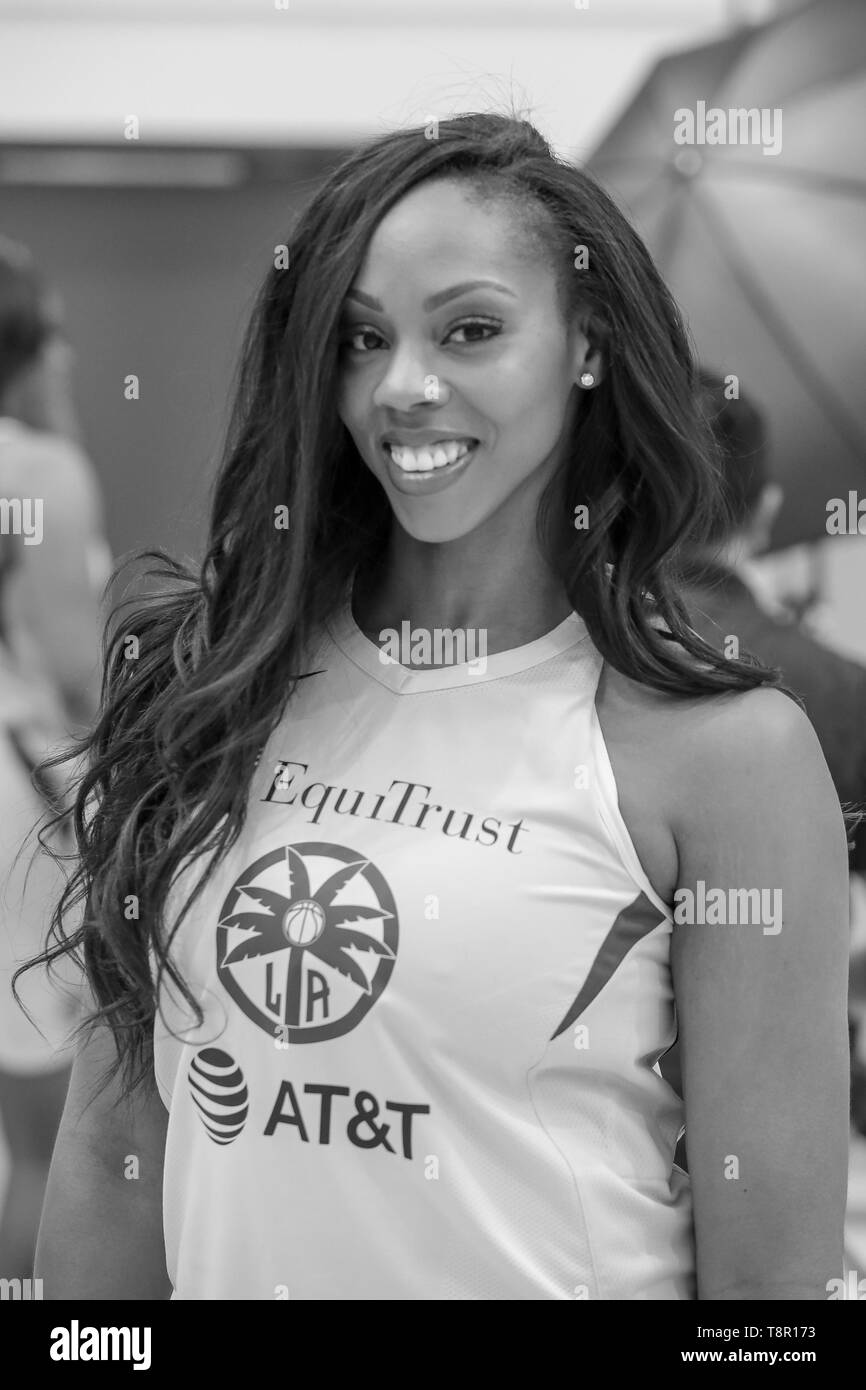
{"x":740,"y":433}
{"x":24,"y":322}
{"x":222,"y":648}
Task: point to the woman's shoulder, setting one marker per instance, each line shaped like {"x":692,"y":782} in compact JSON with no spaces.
{"x":44,"y":463}
{"x":737,"y":741}
{"x":686,"y":768}
{"x":718,"y":720}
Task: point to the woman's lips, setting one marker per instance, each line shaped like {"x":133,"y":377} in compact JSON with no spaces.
{"x":433,"y":480}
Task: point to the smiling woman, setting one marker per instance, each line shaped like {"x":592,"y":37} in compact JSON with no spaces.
{"x":497,"y":359}
{"x":471,"y":346}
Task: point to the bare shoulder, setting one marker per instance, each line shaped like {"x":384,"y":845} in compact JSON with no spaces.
{"x":720,"y":726}
{"x":690,"y":770}
{"x":757,"y":737}
{"x":57,"y":470}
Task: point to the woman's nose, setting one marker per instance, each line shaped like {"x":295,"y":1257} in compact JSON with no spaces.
{"x":407,"y":381}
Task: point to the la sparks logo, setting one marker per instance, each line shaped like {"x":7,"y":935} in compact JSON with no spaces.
{"x":290,"y":951}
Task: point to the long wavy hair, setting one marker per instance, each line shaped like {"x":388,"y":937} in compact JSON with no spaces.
{"x":188,"y":705}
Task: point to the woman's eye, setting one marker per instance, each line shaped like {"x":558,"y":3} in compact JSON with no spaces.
{"x":479,"y":330}
{"x":356,"y":339}
{"x":474,"y":331}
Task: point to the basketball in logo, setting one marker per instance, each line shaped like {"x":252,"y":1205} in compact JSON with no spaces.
{"x":220,"y":1093}
{"x":304,"y":923}
{"x":307,"y":941}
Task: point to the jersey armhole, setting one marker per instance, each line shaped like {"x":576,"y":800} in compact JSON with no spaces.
{"x":612,"y":818}
{"x":164,"y":1093}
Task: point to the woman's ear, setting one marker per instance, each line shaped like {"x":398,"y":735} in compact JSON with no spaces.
{"x":588,"y":352}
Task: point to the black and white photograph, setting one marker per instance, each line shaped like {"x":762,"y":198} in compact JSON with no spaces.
{"x":432,"y":668}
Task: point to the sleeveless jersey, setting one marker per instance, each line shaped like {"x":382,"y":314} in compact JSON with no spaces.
{"x":435,"y":982}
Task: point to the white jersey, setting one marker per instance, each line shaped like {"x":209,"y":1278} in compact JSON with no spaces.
{"x":436,"y":987}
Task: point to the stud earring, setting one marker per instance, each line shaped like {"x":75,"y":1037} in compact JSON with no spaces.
{"x":587,"y":379}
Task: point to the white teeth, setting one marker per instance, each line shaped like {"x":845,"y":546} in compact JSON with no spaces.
{"x":429,"y":457}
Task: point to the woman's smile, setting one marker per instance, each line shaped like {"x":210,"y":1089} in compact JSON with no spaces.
{"x":429,"y":468}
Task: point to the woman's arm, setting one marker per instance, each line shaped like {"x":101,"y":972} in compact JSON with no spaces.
{"x":762,"y":1006}
{"x":53,"y":593}
{"x":101,"y":1232}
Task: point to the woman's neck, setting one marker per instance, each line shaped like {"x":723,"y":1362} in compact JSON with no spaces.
{"x":512,"y":598}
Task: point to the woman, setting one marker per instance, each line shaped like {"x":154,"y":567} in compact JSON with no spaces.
{"x":52,"y":558}
{"x":410,"y":1020}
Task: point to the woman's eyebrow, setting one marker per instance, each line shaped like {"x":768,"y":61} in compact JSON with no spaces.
{"x":433,"y":301}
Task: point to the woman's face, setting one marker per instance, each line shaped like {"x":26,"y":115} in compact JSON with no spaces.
{"x":452,"y":332}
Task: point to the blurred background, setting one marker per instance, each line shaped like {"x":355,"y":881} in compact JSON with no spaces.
{"x":154,"y":152}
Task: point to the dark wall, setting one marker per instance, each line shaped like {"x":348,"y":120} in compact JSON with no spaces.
{"x":157,"y":282}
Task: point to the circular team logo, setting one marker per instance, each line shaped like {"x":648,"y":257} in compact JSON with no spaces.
{"x":307,"y":940}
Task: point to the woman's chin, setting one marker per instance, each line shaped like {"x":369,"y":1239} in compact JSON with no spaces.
{"x":435,"y":530}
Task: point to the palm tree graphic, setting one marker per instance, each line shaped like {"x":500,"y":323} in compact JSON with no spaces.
{"x":306,"y":921}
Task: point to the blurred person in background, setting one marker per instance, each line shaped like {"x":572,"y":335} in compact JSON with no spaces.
{"x":724,"y":599}
{"x":719,"y":590}
{"x":53,"y":562}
